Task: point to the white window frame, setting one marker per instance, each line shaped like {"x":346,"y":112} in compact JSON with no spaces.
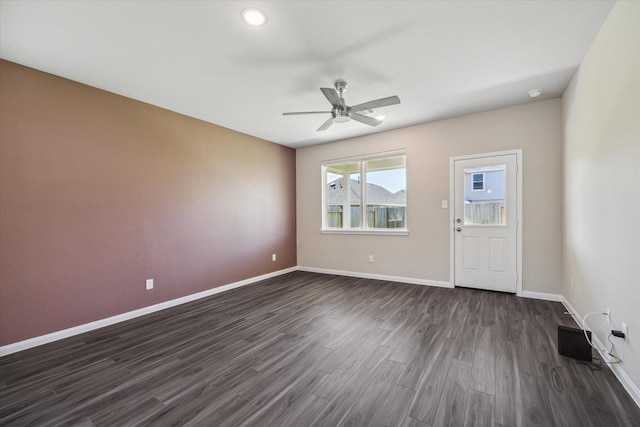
{"x":473,"y":182}
{"x":364,"y":228}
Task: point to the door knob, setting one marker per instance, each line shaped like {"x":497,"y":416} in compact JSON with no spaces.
{"x":458,"y":229}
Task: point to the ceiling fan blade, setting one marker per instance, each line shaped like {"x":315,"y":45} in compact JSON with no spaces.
{"x":325,"y":125}
{"x":365,"y":119}
{"x":297,"y":113}
{"x":382,"y":102}
{"x":332,"y":96}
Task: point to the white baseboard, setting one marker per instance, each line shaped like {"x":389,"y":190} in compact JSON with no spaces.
{"x":572,"y":311}
{"x":542,"y":295}
{"x":401,"y":279}
{"x":76,"y":330}
{"x":617,"y":369}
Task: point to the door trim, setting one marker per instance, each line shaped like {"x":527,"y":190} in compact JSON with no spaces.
{"x":518,"y":153}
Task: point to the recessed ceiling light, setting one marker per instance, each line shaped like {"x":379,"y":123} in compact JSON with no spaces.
{"x":253,"y":16}
{"x":381,"y":117}
{"x":535,"y":93}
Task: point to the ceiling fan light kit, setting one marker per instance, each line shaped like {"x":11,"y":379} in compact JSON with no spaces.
{"x":341,"y":112}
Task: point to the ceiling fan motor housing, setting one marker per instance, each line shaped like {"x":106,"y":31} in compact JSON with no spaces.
{"x":341,"y":115}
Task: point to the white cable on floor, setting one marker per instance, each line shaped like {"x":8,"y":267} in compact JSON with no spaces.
{"x":584,"y":329}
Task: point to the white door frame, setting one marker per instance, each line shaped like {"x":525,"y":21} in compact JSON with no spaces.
{"x":452,"y":227}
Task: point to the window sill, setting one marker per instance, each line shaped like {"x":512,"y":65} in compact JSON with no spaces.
{"x":388,"y":232}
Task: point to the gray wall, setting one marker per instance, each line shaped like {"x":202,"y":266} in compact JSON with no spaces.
{"x":602,"y":183}
{"x":424,"y":253}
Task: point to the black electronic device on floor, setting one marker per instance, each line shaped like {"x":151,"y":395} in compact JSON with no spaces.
{"x":572,"y":343}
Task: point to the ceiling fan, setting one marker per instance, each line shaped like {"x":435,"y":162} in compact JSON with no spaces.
{"x":341,"y":112}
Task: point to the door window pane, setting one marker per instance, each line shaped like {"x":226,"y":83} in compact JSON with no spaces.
{"x":484,"y":195}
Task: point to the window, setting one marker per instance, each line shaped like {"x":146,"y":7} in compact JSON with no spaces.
{"x":484,"y":195}
{"x":478,"y":181}
{"x":379,"y":184}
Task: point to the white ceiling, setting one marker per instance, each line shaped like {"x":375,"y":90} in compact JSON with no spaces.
{"x":442,"y":58}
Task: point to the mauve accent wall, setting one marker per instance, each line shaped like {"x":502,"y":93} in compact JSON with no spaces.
{"x":99,"y":192}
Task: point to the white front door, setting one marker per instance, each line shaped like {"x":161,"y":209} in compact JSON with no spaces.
{"x":486,"y":222}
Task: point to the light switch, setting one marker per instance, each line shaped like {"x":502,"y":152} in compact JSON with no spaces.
{"x":445,"y":204}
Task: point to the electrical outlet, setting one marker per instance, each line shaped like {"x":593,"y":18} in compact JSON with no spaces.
{"x":625,"y":329}
{"x":273,"y":257}
{"x":149,"y":284}
{"x":370,"y":258}
{"x":607,"y":312}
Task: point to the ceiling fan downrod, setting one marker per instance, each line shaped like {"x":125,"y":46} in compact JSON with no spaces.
{"x":341,"y":113}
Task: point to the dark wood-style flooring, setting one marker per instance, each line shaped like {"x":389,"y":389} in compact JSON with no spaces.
{"x":307,"y":349}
